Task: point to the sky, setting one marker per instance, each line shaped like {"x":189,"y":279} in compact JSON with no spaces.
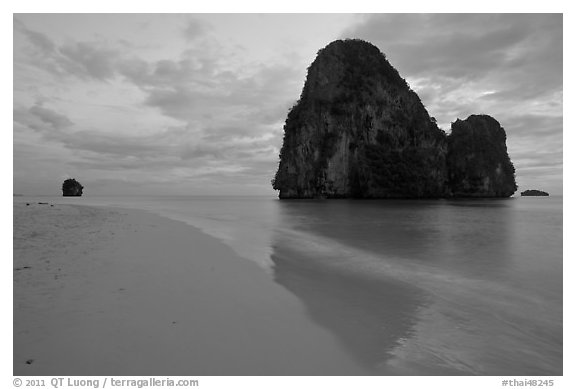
{"x":194,"y":104}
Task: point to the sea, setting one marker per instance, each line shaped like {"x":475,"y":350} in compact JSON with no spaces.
{"x":408,"y":287}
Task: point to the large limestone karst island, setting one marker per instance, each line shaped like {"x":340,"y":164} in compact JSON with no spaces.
{"x":359,"y":131}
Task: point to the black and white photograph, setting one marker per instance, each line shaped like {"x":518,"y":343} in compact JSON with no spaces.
{"x":288,"y":194}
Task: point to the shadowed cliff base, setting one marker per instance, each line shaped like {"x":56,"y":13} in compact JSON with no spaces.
{"x":359,"y":131}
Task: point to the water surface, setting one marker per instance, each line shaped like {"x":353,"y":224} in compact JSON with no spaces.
{"x":445,"y":287}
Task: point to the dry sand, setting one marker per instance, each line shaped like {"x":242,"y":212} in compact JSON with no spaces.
{"x":101,"y":291}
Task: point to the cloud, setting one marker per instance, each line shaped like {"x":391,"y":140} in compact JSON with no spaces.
{"x":167,"y":73}
{"x":466,"y":45}
{"x":195,"y":28}
{"x":41,"y":41}
{"x":85,"y":60}
{"x":55,"y":127}
{"x":506,"y":65}
{"x":38,"y":117}
{"x":538,"y":127}
{"x":230,"y":113}
{"x":178,"y":152}
{"x":517,"y":56}
{"x":196,"y":86}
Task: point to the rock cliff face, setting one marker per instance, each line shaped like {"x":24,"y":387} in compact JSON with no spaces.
{"x":478,"y":161}
{"x":359,"y":131}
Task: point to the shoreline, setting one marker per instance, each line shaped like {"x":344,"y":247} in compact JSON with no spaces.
{"x":110,"y":291}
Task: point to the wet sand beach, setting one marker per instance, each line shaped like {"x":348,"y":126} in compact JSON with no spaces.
{"x":105,"y":291}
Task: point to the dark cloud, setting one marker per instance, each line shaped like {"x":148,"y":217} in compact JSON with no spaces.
{"x":88,"y":60}
{"x":177,"y":101}
{"x":37,"y":117}
{"x":195,"y":29}
{"x":467,"y":45}
{"x":85,"y":60}
{"x":41,"y":41}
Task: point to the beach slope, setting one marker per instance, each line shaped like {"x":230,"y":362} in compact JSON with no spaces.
{"x":102,"y":291}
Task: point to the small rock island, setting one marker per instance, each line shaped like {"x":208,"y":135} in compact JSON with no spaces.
{"x":71,"y":187}
{"x":359,"y":131}
{"x":534,"y":192}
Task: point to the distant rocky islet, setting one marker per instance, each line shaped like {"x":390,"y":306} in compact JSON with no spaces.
{"x":71,"y":187}
{"x":359,"y":131}
{"x":534,"y":192}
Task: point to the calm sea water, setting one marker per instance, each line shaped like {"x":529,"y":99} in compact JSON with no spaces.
{"x":435,"y":287}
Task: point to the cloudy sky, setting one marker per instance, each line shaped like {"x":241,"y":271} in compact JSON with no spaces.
{"x":195,"y":104}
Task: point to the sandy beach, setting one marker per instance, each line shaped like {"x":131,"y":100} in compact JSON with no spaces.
{"x":104,"y":291}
